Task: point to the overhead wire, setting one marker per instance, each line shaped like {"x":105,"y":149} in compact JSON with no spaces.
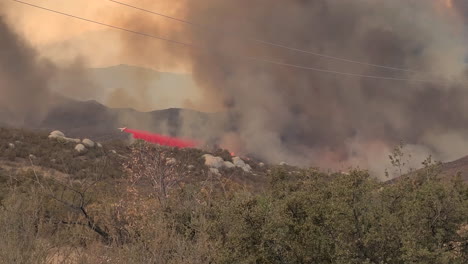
{"x":251,"y":58}
{"x":269,"y":43}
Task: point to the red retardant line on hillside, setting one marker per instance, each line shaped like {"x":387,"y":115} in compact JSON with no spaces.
{"x":160,"y":139}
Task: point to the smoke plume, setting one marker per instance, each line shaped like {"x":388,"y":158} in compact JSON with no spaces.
{"x":23,"y":79}
{"x":305,"y":117}
{"x":31,"y":85}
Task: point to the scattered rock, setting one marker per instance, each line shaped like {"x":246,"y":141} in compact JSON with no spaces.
{"x":88,"y":143}
{"x":171,"y":161}
{"x":283,"y":163}
{"x":261,"y":164}
{"x":60,"y":139}
{"x":53,"y":160}
{"x":213,"y":162}
{"x":215,"y":171}
{"x":191,"y":167}
{"x":31,"y":156}
{"x":229,"y":165}
{"x":60,"y":136}
{"x":56,"y":134}
{"x":67,"y":140}
{"x":113,"y":152}
{"x":11,"y":145}
{"x":17,"y":142}
{"x":241,"y":164}
{"x":80,"y":148}
{"x":99,"y":145}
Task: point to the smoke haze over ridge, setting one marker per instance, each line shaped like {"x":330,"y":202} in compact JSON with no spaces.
{"x":20,"y":71}
{"x":304,"y":117}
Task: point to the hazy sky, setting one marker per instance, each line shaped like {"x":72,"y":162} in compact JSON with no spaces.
{"x":65,"y":39}
{"x":62,"y":38}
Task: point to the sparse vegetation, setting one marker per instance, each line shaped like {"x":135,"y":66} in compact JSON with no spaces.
{"x":139,"y":206}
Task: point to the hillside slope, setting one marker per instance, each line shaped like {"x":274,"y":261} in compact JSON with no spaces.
{"x":94,"y":120}
{"x":141,"y":203}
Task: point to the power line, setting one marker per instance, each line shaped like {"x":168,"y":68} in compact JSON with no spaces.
{"x":103,"y":24}
{"x":270,"y":43}
{"x":241,"y":56}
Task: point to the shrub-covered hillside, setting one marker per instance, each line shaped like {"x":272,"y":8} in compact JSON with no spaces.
{"x":141,"y":203}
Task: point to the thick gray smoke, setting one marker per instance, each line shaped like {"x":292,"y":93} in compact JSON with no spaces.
{"x":26,"y":80}
{"x":24,"y":93}
{"x":304,"y":117}
{"x":307,"y":117}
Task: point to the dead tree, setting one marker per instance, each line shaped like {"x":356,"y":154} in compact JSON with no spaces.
{"x":151,"y":164}
{"x":77,"y":202}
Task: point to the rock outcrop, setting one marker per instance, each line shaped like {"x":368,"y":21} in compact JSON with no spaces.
{"x":218,"y":163}
{"x":56,"y":134}
{"x":88,"y":143}
{"x":213,"y":162}
{"x":238,"y":162}
{"x":229,"y":165}
{"x":80,"y":148}
{"x":60,"y":137}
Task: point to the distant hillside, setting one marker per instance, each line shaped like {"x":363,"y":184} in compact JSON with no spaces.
{"x":94,"y":120}
{"x":125,"y":86}
{"x":458,"y":166}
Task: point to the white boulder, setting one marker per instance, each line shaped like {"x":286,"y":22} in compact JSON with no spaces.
{"x":11,"y":145}
{"x":80,"y":148}
{"x":229,"y":165}
{"x":261,"y":164}
{"x":67,"y":140}
{"x":241,"y":164}
{"x":56,"y":134}
{"x":88,"y":143}
{"x":60,"y":136}
{"x":99,"y":145}
{"x":213,"y":162}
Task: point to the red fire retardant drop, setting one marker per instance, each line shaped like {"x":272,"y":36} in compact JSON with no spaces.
{"x":160,"y":139}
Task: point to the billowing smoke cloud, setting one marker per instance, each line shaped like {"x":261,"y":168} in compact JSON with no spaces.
{"x":305,"y":117}
{"x":23,"y":79}
{"x":302,"y":117}
{"x":31,"y":85}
